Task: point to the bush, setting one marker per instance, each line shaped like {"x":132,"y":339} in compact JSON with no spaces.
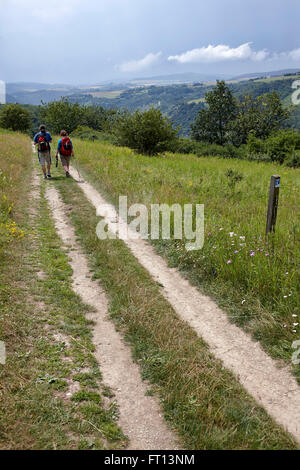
{"x":14,"y":117}
{"x":293,"y":160}
{"x":255,"y":145}
{"x":185,"y":145}
{"x":147,"y":132}
{"x":86,"y":133}
{"x":282,"y":144}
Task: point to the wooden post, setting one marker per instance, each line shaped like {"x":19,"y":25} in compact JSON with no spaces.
{"x":273,"y":203}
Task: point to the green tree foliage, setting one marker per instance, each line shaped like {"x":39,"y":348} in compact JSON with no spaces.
{"x":261,"y":116}
{"x":99,"y":118}
{"x":211,"y":124}
{"x":15,"y":117}
{"x":66,"y":115}
{"x":62,"y":114}
{"x":282,"y":144}
{"x":148,"y":132}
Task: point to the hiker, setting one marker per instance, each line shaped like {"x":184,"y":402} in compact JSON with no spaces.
{"x":65,"y":150}
{"x":43,"y":139}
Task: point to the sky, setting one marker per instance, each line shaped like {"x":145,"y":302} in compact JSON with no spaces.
{"x":90,"y":41}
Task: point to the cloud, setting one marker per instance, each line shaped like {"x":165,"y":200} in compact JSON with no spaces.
{"x":142,"y":64}
{"x":219,"y":53}
{"x":293,"y":55}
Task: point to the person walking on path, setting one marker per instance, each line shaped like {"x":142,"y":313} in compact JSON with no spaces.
{"x":65,"y":150}
{"x":43,"y":139}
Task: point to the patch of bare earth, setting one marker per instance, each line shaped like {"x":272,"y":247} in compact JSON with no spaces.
{"x":272,"y":385}
{"x":140,"y":416}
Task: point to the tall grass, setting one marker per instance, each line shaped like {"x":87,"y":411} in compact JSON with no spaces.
{"x":255,"y":279}
{"x":14,"y":163}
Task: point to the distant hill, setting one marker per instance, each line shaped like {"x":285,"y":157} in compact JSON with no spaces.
{"x":180,"y":101}
{"x":276,"y":73}
{"x":188,"y":77}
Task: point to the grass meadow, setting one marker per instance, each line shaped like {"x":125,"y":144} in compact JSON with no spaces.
{"x":256,"y":280}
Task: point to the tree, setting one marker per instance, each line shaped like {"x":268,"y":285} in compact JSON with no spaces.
{"x":62,"y":114}
{"x":14,"y":117}
{"x":211,"y":124}
{"x":148,"y":132}
{"x":261,"y":116}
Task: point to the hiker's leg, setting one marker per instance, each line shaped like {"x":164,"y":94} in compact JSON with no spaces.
{"x":48,"y":159}
{"x":42,"y":162}
{"x":65,"y":161}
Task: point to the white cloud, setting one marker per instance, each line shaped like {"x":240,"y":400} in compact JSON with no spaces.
{"x":137,"y":65}
{"x":219,"y":53}
{"x":293,"y":55}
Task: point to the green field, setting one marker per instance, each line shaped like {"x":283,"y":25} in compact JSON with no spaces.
{"x":254,"y":279}
{"x":106,"y":94}
{"x":49,"y":339}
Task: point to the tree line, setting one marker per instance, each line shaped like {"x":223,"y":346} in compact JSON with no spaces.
{"x":248,"y":127}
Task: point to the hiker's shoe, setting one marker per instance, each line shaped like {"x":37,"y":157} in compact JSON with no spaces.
{"x":49,"y":176}
{"x":45,"y":177}
{"x":68,"y":174}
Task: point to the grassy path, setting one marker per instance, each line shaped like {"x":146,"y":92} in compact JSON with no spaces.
{"x":55,"y":394}
{"x":139,"y":413}
{"x":255,"y":282}
{"x":51,"y":390}
{"x":203,"y":401}
{"x":274,"y":388}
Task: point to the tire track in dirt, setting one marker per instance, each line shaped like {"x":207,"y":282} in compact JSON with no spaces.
{"x":140,"y":415}
{"x":271,"y":385}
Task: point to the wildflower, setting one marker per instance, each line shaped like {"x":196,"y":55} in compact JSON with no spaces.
{"x":220,"y":229}
{"x":267,"y":254}
{"x":229,"y":261}
{"x":236,"y":251}
{"x":231,"y":234}
{"x":252,"y":253}
{"x":209,"y":234}
{"x":242,"y":238}
{"x":295,"y":324}
{"x":243,"y":301}
{"x":285,"y":296}
{"x":294,"y":315}
{"x":284,"y":326}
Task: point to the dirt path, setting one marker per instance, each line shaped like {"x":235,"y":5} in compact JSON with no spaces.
{"x":140,"y":415}
{"x":273,"y":387}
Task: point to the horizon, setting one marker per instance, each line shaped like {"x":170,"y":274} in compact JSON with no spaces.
{"x":157,"y":77}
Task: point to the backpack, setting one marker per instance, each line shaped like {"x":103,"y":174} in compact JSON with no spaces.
{"x":66,"y":146}
{"x":43,"y":144}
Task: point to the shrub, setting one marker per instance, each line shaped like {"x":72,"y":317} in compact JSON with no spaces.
{"x":293,"y":160}
{"x":281,"y":144}
{"x":147,"y":132}
{"x":86,"y":133}
{"x":255,"y":145}
{"x":185,"y":145}
{"x":14,"y":117}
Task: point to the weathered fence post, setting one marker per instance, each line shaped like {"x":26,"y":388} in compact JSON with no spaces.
{"x":273,"y":203}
